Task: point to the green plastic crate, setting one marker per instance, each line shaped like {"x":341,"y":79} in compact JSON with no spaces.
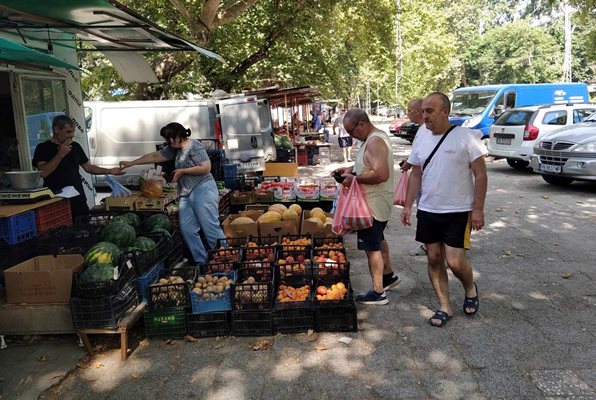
{"x":168,"y":323}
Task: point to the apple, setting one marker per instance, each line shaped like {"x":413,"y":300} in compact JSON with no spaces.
{"x":289,"y":260}
{"x":300,"y":258}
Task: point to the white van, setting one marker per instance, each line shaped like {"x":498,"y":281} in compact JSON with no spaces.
{"x":122,"y":131}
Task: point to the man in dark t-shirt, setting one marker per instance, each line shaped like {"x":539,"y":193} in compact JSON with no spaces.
{"x":59,"y":159}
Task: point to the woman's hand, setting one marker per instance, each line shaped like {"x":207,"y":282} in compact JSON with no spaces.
{"x":179,"y":173}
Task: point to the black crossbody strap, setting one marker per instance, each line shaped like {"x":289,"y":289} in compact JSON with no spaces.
{"x":437,"y":147}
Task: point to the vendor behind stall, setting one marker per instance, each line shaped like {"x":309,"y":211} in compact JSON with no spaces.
{"x":59,"y":159}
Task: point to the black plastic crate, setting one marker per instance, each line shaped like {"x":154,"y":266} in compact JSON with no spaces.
{"x":224,"y":255}
{"x":296,"y":242}
{"x":168,"y":323}
{"x":328,"y":282}
{"x":208,"y":324}
{"x":143,"y":261}
{"x":262,"y":241}
{"x":233,"y":243}
{"x":252,"y":296}
{"x":288,"y":294}
{"x":260,"y":254}
{"x":336,"y":318}
{"x":293,"y":320}
{"x":329,"y":268}
{"x":283,"y":155}
{"x":330,"y":242}
{"x":260,"y":271}
{"x":110,"y":287}
{"x":252,"y":323}
{"x":97,"y":219}
{"x":105,"y":312}
{"x":17,"y":253}
{"x":296,"y":263}
{"x":171,"y":295}
{"x":76,"y":239}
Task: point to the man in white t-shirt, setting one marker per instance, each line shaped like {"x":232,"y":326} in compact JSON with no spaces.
{"x":453,"y":182}
{"x":344,"y":140}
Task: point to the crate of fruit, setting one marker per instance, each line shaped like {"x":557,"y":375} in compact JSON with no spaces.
{"x":148,"y":249}
{"x":252,"y":323}
{"x":265,"y":254}
{"x":262,"y":241}
{"x":173,"y":288}
{"x":231,"y":243}
{"x":294,"y":263}
{"x":293,"y":293}
{"x":330,"y":261}
{"x":230,"y":255}
{"x":250,"y":294}
{"x":167,"y":323}
{"x":336,"y":242}
{"x":211,"y":292}
{"x":296,"y":242}
{"x":102,"y":280}
{"x":208,"y":324}
{"x":331,"y":291}
{"x":307,"y":190}
{"x":104,"y":312}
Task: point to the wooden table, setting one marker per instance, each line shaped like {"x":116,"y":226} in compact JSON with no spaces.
{"x":127,"y":322}
{"x":14,"y":209}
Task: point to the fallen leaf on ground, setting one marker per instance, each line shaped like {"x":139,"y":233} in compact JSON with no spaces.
{"x":321,"y":347}
{"x":311,"y":336}
{"x":507,"y":252}
{"x":171,"y":342}
{"x":498,"y":209}
{"x":545,"y":197}
{"x":97,"y":364}
{"x":42,"y":359}
{"x":218,"y":345}
{"x":134,"y":375}
{"x":262,"y":345}
{"x":56,"y":377}
{"x":567,"y":275}
{"x":190,"y":338}
{"x":144,"y":343}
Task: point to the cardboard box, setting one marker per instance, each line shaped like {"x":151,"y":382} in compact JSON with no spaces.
{"x":239,"y":197}
{"x":43,"y":279}
{"x":156,"y":204}
{"x":313,"y":228}
{"x":120,"y":203}
{"x":257,"y":207}
{"x":244,"y":230}
{"x":279,"y":228}
{"x":280,"y":169}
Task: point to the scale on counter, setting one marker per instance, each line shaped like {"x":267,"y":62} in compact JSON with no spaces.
{"x":12,"y":196}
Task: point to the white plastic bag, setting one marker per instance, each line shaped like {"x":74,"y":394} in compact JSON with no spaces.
{"x":118,"y":190}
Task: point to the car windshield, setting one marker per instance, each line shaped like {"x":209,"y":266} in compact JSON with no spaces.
{"x":470,"y":103}
{"x":514,"y":117}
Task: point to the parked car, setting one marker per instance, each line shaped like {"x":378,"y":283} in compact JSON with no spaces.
{"x":567,"y":154}
{"x":395,"y":125}
{"x":514,"y":133}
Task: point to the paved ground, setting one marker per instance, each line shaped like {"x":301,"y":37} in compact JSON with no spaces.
{"x":533,"y":338}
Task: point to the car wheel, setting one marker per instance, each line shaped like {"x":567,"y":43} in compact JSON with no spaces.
{"x":557,"y":180}
{"x":517,"y":164}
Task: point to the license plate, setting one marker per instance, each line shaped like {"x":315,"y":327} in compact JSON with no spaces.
{"x":503,"y":140}
{"x":549,"y":168}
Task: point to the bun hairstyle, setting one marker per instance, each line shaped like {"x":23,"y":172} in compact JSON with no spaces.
{"x":174,"y":131}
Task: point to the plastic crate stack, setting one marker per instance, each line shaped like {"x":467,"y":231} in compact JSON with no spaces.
{"x":53,"y":215}
{"x":231,"y":179}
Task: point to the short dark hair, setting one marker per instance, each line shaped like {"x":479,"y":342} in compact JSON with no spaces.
{"x":445,"y":102}
{"x":174,"y":130}
{"x":60,"y":121}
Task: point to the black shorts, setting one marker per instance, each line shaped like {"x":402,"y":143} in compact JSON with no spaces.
{"x":453,"y":229}
{"x":370,"y":239}
{"x":345,"y":141}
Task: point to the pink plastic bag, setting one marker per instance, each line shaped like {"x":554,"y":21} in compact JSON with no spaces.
{"x":401,"y":190}
{"x":352,"y":212}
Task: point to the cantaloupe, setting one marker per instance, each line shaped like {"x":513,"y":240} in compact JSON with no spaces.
{"x":242,"y":221}
{"x":318,"y":214}
{"x":280,"y":208}
{"x":296,"y":208}
{"x":317,"y":221}
{"x":319,"y":209}
{"x":270,"y":216}
{"x":328,"y":221}
{"x":289,"y":215}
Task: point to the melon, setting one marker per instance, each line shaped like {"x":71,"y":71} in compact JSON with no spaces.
{"x":270,"y":216}
{"x":103,"y":253}
{"x":317,"y":209}
{"x":144,"y":243}
{"x":156,"y":221}
{"x":296,"y":208}
{"x":317,"y":221}
{"x":289,"y":215}
{"x":318,"y":214}
{"x":119,"y":233}
{"x":242,"y":221}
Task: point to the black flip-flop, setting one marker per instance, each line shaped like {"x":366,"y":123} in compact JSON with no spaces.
{"x":472,"y":302}
{"x":441,"y":316}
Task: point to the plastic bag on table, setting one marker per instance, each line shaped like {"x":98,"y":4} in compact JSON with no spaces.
{"x":118,"y":190}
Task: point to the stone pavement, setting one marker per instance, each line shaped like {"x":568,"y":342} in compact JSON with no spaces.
{"x":531,"y":340}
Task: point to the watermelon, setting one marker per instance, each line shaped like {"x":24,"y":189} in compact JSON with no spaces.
{"x":103,"y":253}
{"x":162,"y":231}
{"x":119,"y":218}
{"x":144,"y":243}
{"x":119,"y":233}
{"x":286,"y":145}
{"x":156,"y":221}
{"x":98,"y":272}
{"x":132,"y":219}
{"x":277,"y":140}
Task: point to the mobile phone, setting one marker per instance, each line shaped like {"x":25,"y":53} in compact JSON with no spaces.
{"x":338,"y":177}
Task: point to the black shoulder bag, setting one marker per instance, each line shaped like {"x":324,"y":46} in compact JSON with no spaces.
{"x":437,"y":147}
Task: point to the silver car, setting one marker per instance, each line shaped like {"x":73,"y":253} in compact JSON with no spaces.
{"x":567,"y":154}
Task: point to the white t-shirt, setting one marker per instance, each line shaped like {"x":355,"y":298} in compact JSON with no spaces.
{"x":447,"y":181}
{"x":339,"y":124}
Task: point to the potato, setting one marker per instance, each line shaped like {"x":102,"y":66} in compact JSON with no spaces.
{"x":202,"y":279}
{"x":163,"y":281}
{"x":208,"y":278}
{"x":222,"y":279}
{"x":250,"y":279}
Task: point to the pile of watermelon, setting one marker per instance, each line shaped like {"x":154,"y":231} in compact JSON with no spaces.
{"x":118,"y":237}
{"x":282,"y":142}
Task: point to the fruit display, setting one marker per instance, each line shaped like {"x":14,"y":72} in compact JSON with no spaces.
{"x":329,"y":189}
{"x":210,"y":287}
{"x":156,"y":221}
{"x":151,"y":188}
{"x":292,"y":263}
{"x":224,"y":255}
{"x":143,"y":243}
{"x":172,"y":289}
{"x":336,"y":291}
{"x":263,"y":241}
{"x":261,"y":254}
{"x":103,"y":253}
{"x":296,"y":242}
{"x":97,"y":273}
{"x":251,"y":294}
{"x":118,"y":232}
{"x":287,"y":293}
{"x":307,"y":189}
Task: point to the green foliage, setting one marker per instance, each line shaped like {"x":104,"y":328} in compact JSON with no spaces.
{"x":514,"y":53}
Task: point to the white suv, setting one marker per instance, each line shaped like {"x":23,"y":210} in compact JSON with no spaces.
{"x":514,"y":133}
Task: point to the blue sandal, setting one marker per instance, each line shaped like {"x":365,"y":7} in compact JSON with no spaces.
{"x":472,"y":302}
{"x":442,"y":316}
